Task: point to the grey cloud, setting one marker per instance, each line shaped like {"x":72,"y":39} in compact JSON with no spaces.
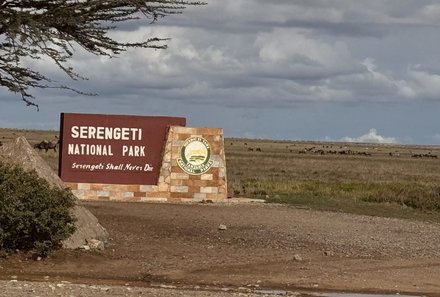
{"x":275,"y":58}
{"x":281,"y":67}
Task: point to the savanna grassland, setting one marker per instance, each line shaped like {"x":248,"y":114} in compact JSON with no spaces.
{"x":300,"y":248}
{"x":373,"y":179}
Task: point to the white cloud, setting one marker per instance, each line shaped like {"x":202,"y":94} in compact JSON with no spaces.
{"x":430,"y":13}
{"x":371,"y":137}
{"x":427,"y":84}
{"x":299,"y":48}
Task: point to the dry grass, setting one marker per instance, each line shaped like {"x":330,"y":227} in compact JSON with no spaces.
{"x":375,"y":180}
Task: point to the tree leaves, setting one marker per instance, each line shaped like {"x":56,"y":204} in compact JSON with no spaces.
{"x":35,"y":29}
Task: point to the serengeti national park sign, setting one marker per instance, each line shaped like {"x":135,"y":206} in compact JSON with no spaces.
{"x":141,"y":158}
{"x":113,"y":149}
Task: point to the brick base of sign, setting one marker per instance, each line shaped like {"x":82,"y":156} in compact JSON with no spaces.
{"x":174,"y":184}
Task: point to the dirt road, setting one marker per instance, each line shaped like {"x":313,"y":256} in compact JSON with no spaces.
{"x":263,"y":246}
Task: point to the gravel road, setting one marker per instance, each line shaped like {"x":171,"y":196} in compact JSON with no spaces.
{"x":234,"y":246}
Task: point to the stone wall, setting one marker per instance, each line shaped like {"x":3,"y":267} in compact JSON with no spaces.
{"x":174,"y":184}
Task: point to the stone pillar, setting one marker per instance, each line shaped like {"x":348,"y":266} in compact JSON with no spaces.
{"x":203,"y":184}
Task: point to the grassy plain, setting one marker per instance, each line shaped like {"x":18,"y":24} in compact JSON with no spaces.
{"x":372,"y":179}
{"x":33,"y":137}
{"x":384,"y":180}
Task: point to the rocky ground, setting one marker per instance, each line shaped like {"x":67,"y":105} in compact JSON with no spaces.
{"x":167,"y":249}
{"x":66,"y":289}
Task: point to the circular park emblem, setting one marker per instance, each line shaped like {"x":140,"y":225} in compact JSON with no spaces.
{"x":195,"y":156}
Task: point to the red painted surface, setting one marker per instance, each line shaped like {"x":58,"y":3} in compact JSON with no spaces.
{"x":113,"y":149}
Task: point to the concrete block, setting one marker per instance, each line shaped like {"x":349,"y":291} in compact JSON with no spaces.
{"x":84,"y":186}
{"x":209,"y":190}
{"x":177,"y":143}
{"x":179,"y":175}
{"x":127,"y":194}
{"x":200,"y":196}
{"x":206,"y":176}
{"x":103,"y":193}
{"x":146,"y":188}
{"x":179,"y":189}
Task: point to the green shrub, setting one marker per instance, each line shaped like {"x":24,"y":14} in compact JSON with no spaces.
{"x":33,"y":214}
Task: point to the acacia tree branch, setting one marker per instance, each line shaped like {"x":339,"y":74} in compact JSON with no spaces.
{"x":35,"y":29}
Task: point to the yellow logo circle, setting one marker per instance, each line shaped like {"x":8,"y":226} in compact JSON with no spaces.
{"x":195,"y":156}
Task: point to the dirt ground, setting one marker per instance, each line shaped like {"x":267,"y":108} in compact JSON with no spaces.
{"x":263,"y":246}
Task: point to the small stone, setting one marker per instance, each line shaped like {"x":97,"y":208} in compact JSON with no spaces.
{"x":329,"y":253}
{"x":222,"y":227}
{"x":297,"y":257}
{"x":167,"y":286}
{"x":95,"y":244}
{"x":241,"y":289}
{"x":85,"y":247}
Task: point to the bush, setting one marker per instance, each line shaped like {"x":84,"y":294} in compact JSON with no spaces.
{"x":33,"y":214}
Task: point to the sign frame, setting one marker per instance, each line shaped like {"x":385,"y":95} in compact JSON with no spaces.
{"x":113,"y":149}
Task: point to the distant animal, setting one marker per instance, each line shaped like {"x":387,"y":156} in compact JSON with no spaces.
{"x":364,"y":154}
{"x":258,"y":149}
{"x":40,"y":145}
{"x":320,"y":152}
{"x":51,"y":146}
{"x":46,"y":145}
{"x":1,"y":143}
{"x":428,"y":155}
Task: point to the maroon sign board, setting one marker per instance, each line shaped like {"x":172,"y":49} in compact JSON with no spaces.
{"x":113,"y":149}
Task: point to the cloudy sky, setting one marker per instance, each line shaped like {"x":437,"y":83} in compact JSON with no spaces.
{"x":340,"y":70}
